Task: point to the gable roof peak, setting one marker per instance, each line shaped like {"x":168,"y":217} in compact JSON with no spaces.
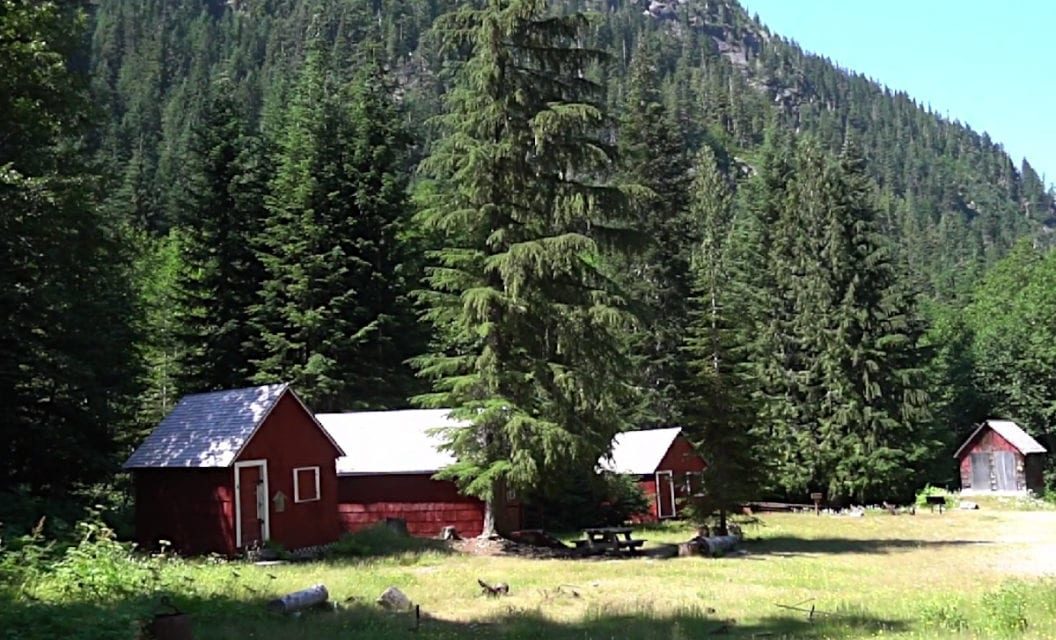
{"x":207,"y":429}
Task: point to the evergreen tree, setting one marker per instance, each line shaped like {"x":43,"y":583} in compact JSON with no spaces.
{"x":67,"y":370}
{"x":716,"y":409}
{"x":528,"y":333}
{"x":652,"y":157}
{"x":840,"y":368}
{"x":331,"y":294}
{"x":220,"y":274}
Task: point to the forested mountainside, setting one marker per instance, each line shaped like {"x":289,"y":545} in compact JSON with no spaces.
{"x":952,"y":198}
{"x":562,"y":224}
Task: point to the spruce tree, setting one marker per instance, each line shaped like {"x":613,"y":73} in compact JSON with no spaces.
{"x":331,"y":293}
{"x":528,"y":332}
{"x":219,"y":272}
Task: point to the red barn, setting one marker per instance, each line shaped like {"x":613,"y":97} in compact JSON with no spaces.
{"x":1000,"y":457}
{"x":388,"y":471}
{"x":230,"y":469}
{"x":667,"y":466}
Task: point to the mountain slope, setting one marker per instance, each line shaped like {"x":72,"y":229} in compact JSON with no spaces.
{"x":953,"y":200}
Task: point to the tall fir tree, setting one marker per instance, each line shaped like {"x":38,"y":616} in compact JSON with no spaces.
{"x":219,"y":274}
{"x":332,"y":289}
{"x":67,"y":369}
{"x":528,"y":347}
{"x":653,"y":157}
{"x":717,"y":412}
{"x":838,"y":361}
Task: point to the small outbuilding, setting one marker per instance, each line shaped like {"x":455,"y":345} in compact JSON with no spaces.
{"x":667,"y":466}
{"x":1000,"y":457}
{"x":232,"y":469}
{"x":387,"y":472}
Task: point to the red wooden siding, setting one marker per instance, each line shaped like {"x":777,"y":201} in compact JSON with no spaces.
{"x":426,"y":505}
{"x":193,"y":509}
{"x":988,"y":440}
{"x":680,"y":458}
{"x":289,"y":439}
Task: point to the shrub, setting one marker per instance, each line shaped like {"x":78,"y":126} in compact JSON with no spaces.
{"x":380,"y":540}
{"x":594,"y":499}
{"x":946,"y":616}
{"x":928,"y":490}
{"x":1006,"y":609}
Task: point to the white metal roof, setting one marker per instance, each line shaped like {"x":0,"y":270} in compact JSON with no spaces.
{"x":390,"y":441}
{"x":409,"y":441}
{"x":1010,"y":431}
{"x":639,"y":452}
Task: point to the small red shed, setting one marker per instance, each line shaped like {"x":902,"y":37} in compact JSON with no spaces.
{"x":669,"y":469}
{"x":387,"y":472}
{"x":1000,"y":457}
{"x":230,"y":469}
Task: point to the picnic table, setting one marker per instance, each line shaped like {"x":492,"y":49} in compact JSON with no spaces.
{"x":613,"y":539}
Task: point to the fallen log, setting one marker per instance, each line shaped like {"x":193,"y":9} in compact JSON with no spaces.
{"x":718,"y":545}
{"x":303,"y":599}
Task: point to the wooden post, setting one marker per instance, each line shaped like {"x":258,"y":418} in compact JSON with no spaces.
{"x":817,"y":498}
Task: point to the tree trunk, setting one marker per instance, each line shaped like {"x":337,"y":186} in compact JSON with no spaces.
{"x":488,"y":531}
{"x":494,"y":510}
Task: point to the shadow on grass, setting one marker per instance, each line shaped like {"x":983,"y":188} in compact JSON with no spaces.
{"x":793,"y":546}
{"x":221,"y":617}
{"x":380,"y":542}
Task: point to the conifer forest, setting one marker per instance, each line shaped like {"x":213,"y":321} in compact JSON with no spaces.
{"x":563,"y":220}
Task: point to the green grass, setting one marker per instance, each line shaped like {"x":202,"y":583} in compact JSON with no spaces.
{"x":958,"y":575}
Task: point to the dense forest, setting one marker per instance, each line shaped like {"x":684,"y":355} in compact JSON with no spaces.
{"x":562,"y":219}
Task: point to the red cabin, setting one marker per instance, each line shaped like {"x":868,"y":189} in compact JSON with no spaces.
{"x":232,"y":469}
{"x":669,"y":469}
{"x":1000,"y":457}
{"x":388,"y":472}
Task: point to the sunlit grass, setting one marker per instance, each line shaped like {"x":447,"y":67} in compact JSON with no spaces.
{"x":923,"y":576}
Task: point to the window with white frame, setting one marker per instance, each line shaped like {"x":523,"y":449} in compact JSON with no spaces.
{"x":305,"y":484}
{"x":694,"y":483}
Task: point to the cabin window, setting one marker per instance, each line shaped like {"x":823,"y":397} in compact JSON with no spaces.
{"x":305,"y":484}
{"x":694,"y":483}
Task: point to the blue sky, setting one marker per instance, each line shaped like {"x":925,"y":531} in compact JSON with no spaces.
{"x":990,"y":65}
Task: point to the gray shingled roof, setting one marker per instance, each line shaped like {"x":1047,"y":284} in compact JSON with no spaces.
{"x":207,"y":429}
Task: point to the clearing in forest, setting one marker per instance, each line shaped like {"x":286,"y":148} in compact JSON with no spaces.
{"x":959,"y":574}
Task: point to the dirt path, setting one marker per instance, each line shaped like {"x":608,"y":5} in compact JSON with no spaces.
{"x":1030,"y":538}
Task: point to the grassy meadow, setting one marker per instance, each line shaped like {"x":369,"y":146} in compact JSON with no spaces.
{"x":978,"y":574}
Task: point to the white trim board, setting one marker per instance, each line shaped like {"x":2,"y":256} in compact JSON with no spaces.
{"x":297,"y":485}
{"x":265,"y":530}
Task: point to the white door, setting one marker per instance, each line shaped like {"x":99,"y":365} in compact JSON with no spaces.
{"x":252,"y":519}
{"x":665,"y":494}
